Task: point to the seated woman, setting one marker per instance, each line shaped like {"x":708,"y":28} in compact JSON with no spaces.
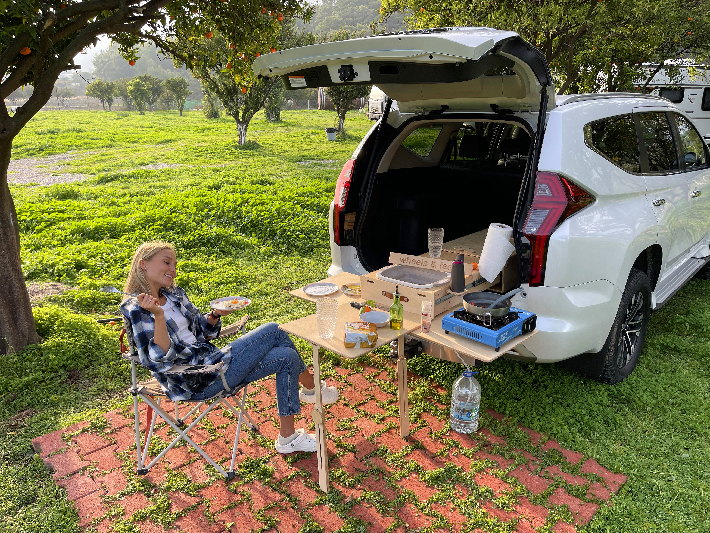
{"x":169,"y":330}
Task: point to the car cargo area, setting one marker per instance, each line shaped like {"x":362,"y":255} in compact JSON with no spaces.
{"x":469,"y":176}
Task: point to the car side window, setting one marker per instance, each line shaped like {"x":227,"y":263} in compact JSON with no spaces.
{"x":658,"y":138}
{"x":422,"y":140}
{"x":615,"y":139}
{"x":705,"y":104}
{"x":691,"y":144}
{"x":674,"y":95}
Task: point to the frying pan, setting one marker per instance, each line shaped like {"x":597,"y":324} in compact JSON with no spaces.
{"x":488,"y":303}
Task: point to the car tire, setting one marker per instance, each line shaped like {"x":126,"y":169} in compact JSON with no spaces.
{"x":704,"y":273}
{"x":620,"y":353}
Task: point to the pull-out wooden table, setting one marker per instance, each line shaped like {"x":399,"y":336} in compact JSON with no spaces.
{"x":307,"y":329}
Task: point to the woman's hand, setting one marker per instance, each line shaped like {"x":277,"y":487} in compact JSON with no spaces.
{"x":149,"y":303}
{"x":221,"y":312}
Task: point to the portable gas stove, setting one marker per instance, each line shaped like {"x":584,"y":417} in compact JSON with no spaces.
{"x":493,"y":331}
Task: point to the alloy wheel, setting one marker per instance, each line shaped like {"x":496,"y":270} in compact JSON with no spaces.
{"x":630,"y":330}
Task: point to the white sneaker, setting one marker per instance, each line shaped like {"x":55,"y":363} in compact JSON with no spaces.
{"x":328,"y":394}
{"x":304,"y":442}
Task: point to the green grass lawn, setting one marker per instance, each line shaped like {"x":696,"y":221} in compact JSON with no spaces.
{"x":252,"y":220}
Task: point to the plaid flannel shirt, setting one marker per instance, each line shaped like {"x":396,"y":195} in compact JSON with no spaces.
{"x":153,"y":357}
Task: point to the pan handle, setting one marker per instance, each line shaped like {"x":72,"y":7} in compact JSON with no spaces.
{"x":505,"y":297}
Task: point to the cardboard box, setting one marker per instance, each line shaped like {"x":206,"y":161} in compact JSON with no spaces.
{"x":471,"y":246}
{"x":373,"y":288}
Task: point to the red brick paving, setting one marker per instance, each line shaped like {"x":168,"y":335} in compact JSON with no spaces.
{"x":282,"y":494}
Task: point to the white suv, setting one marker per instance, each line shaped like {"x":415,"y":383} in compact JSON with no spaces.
{"x":608,"y":194}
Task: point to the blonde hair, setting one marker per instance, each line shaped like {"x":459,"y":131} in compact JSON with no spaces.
{"x":136,"y":282}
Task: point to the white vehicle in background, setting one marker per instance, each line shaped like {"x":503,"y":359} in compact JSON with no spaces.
{"x":375,"y":103}
{"x":608,"y":194}
{"x":690,"y":92}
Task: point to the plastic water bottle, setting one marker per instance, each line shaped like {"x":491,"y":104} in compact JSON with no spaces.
{"x":465,"y":402}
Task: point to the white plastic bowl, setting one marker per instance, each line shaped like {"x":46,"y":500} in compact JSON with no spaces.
{"x":378,"y":318}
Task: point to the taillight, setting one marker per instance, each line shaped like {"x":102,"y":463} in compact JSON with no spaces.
{"x":341,"y":196}
{"x":555,"y":200}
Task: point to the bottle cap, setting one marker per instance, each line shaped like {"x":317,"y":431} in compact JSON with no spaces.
{"x":468,"y":373}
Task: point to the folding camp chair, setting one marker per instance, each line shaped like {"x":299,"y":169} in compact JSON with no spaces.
{"x":149,"y":390}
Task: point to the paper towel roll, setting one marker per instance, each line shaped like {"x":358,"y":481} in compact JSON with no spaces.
{"x":496,"y":251}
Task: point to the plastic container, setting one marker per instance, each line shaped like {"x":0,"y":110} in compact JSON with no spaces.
{"x":415,"y":277}
{"x":330,"y":133}
{"x":427,"y":309}
{"x":465,"y":403}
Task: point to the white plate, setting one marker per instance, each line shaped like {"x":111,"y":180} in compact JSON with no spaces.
{"x":227,"y":303}
{"x":351,"y":289}
{"x":320,"y":289}
{"x":378,"y":318}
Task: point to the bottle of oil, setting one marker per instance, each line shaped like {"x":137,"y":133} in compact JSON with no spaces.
{"x":396,"y":311}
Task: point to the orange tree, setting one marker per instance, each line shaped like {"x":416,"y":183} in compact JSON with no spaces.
{"x":591,"y":45}
{"x":38,"y":41}
{"x":224,"y":67}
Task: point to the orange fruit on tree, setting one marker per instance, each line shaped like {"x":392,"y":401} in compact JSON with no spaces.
{"x":272,"y":50}
{"x":229,"y":65}
{"x":132,"y":62}
{"x":280,"y":17}
{"x":258,"y":54}
{"x":263,"y":10}
{"x":232,"y":46}
{"x":209,"y":34}
{"x":244,"y":90}
{"x":25,"y":51}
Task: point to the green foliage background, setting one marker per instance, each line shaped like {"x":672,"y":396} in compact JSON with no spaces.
{"x":252,"y":220}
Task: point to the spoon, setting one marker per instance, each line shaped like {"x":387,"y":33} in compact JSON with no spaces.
{"x":114,"y":289}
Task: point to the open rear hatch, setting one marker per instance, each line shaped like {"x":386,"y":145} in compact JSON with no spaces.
{"x":423,"y":70}
{"x":442,"y":70}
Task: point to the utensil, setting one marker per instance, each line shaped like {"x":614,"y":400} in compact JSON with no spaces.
{"x":351,"y":289}
{"x":458,"y":282}
{"x":115,"y":290}
{"x":481,"y":303}
{"x":436,"y":241}
{"x":230,"y":303}
{"x":320,"y":289}
{"x":505,"y":297}
{"x":326,"y":317}
{"x":378,"y":318}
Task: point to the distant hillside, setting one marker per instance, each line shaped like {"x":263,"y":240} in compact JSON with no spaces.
{"x":354,"y":15}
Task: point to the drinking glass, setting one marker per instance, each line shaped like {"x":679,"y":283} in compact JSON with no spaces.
{"x":326,"y":314}
{"x":436,"y":241}
{"x":427,"y":308}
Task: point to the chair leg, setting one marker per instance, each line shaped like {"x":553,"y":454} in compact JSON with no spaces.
{"x":182,"y":434}
{"x":231,"y":474}
{"x":140,"y":470}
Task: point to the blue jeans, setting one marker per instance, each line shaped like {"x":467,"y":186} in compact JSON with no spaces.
{"x":262,"y":352}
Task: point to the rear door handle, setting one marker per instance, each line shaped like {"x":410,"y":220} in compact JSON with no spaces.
{"x":659,"y":201}
{"x":695,"y":194}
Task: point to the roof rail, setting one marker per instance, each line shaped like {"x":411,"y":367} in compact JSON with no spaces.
{"x":598,"y":96}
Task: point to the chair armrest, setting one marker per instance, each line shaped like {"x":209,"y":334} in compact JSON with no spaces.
{"x":194,"y":369}
{"x":233,"y":329}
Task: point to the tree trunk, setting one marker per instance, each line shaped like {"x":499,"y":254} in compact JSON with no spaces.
{"x":341,"y":122}
{"x":17,"y":325}
{"x":242,"y":130}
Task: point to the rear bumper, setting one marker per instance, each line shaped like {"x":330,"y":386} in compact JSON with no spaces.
{"x":570,"y":320}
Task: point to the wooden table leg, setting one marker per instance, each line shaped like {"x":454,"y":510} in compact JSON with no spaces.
{"x":319,"y":419}
{"x":402,"y":389}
